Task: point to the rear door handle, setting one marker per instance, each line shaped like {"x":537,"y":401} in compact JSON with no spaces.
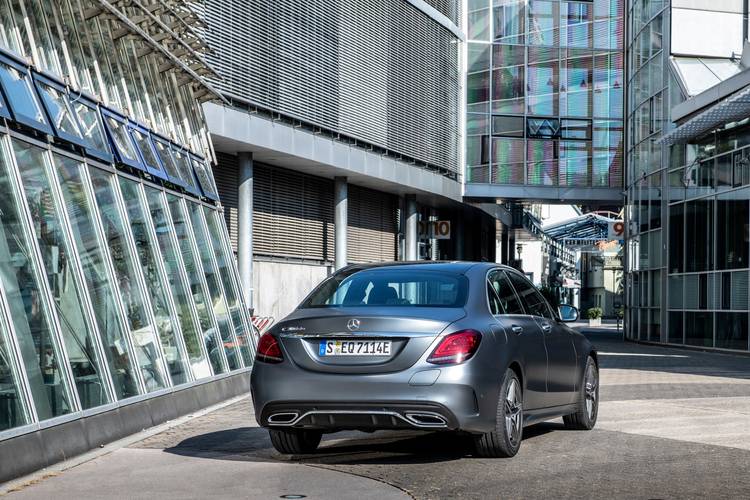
{"x":546,"y":327}
{"x":518,"y":330}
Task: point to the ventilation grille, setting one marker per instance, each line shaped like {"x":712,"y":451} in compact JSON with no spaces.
{"x":382,"y":72}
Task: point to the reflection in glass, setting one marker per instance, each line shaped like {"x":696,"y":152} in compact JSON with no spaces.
{"x":149,"y":256}
{"x":180,"y":293}
{"x":508,"y":82}
{"x":218,"y":300}
{"x":20,"y":94}
{"x":185,"y":168}
{"x":91,"y":125}
{"x":59,"y":108}
{"x":542,"y":81}
{"x":165,"y":155}
{"x":28,"y":311}
{"x":225,"y":263}
{"x":66,"y":290}
{"x":12,"y":411}
{"x":508,"y":160}
{"x":543,"y":23}
{"x":144,"y":145}
{"x":205,"y":176}
{"x":202,"y":304}
{"x":121,"y":139}
{"x":93,"y":260}
{"x":142,"y":330}
{"x":575,"y":90}
{"x":509,"y":17}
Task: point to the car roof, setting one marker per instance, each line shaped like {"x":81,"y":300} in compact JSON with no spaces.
{"x":458,"y":267}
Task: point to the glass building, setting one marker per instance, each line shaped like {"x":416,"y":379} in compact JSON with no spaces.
{"x":688,"y":174}
{"x":544,"y":93}
{"x":117,"y":282}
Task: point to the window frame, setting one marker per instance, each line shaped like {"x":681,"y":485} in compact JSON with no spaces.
{"x":520,"y":302}
{"x":526,"y":307}
{"x":118,"y":156}
{"x":91,"y":150}
{"x":155,"y":170}
{"x":39,"y":82}
{"x":15,"y":115}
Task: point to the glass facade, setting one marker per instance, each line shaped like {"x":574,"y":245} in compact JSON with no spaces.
{"x":545,"y":93}
{"x":116,"y":278}
{"x":688,"y":204}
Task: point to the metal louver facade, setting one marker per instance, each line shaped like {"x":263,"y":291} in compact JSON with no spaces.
{"x":381,"y":72}
{"x":293,"y":215}
{"x":372,"y":226}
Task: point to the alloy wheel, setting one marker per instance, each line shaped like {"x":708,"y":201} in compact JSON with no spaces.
{"x":591,"y":385}
{"x":513,"y":406}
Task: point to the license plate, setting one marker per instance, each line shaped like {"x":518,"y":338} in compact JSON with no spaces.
{"x":355,"y":348}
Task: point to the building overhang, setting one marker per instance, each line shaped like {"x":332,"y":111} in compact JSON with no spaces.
{"x":283,"y":145}
{"x":547,"y":194}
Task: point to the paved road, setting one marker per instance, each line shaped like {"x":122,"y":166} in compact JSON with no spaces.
{"x":672,"y":424}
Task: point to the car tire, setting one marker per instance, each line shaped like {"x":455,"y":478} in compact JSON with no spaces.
{"x":584,"y":419}
{"x":505,"y":440}
{"x":295,"y":441}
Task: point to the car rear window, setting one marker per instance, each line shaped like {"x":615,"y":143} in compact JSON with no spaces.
{"x":391,"y":288}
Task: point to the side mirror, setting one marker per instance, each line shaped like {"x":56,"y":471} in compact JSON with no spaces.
{"x":568,"y":313}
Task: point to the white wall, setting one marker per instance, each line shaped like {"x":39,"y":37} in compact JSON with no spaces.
{"x":279,"y":287}
{"x":718,"y":24}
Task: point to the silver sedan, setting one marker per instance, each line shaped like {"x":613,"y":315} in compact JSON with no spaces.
{"x":447,"y":346}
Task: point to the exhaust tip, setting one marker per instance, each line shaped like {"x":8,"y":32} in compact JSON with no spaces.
{"x":426,"y":419}
{"x":283,"y":418}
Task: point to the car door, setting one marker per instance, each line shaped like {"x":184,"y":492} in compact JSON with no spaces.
{"x":511,"y":315}
{"x":561,"y":355}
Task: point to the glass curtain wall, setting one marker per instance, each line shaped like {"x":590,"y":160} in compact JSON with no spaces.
{"x":648,"y":103}
{"x":63,"y":39}
{"x":545,"y":92}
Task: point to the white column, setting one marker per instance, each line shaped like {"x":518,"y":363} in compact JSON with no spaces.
{"x":341,"y":219}
{"x":245,"y":225}
{"x":411,"y":243}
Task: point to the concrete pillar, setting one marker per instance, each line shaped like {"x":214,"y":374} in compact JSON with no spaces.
{"x":341,"y":220}
{"x":504,"y":256}
{"x":458,"y":233}
{"x":245,"y":225}
{"x":411,"y":243}
{"x":434,"y":252}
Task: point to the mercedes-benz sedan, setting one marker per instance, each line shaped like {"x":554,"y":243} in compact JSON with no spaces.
{"x":447,"y":346}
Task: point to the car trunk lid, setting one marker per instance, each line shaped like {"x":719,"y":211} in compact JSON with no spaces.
{"x":410,"y":332}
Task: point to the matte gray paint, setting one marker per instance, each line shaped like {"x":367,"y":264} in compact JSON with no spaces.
{"x":469,"y":391}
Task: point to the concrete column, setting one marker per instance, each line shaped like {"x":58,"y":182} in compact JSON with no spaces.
{"x":341,"y":220}
{"x":434,"y":252}
{"x":411,"y":243}
{"x":458,"y":233}
{"x":245,"y":225}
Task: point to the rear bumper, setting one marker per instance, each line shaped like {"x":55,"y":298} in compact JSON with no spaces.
{"x":358,"y":416}
{"x":286,"y":396}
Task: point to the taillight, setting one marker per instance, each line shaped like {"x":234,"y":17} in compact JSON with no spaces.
{"x":268,"y":349}
{"x":456,"y":348}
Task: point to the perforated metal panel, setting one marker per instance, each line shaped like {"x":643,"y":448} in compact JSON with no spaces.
{"x":382,"y":72}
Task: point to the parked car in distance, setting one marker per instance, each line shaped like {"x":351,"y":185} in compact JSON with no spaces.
{"x":444,"y":346}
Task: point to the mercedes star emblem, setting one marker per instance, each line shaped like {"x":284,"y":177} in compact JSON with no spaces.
{"x":353,"y":324}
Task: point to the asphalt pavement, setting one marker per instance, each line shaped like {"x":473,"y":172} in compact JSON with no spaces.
{"x":673,"y":423}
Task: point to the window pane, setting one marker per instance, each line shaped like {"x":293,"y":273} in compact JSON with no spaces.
{"x":185,"y":169}
{"x":182,"y":297}
{"x":149,"y":256}
{"x":12,"y":411}
{"x":733,"y":219}
{"x":92,"y":256}
{"x":576,"y":83}
{"x":731,"y":330}
{"x":205,"y":176}
{"x":144,"y":145}
{"x":478,"y":92}
{"x":479,"y":24}
{"x":510,"y":126}
{"x":165,"y":155}
{"x":58,"y":106}
{"x":530,"y":297}
{"x":508,"y":299}
{"x":91,"y":126}
{"x":78,"y":334}
{"x":121,"y":139}
{"x":509,"y":20}
{"x":508,"y":160}
{"x":576,"y":20}
{"x":699,"y":328}
{"x":221,"y":311}
{"x":142,"y":329}
{"x":226,"y":265}
{"x":542,"y":81}
{"x":541,"y":161}
{"x":21,"y":95}
{"x":202,"y":304}
{"x":508,"y":82}
{"x":575,"y":163}
{"x":543,"y":26}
